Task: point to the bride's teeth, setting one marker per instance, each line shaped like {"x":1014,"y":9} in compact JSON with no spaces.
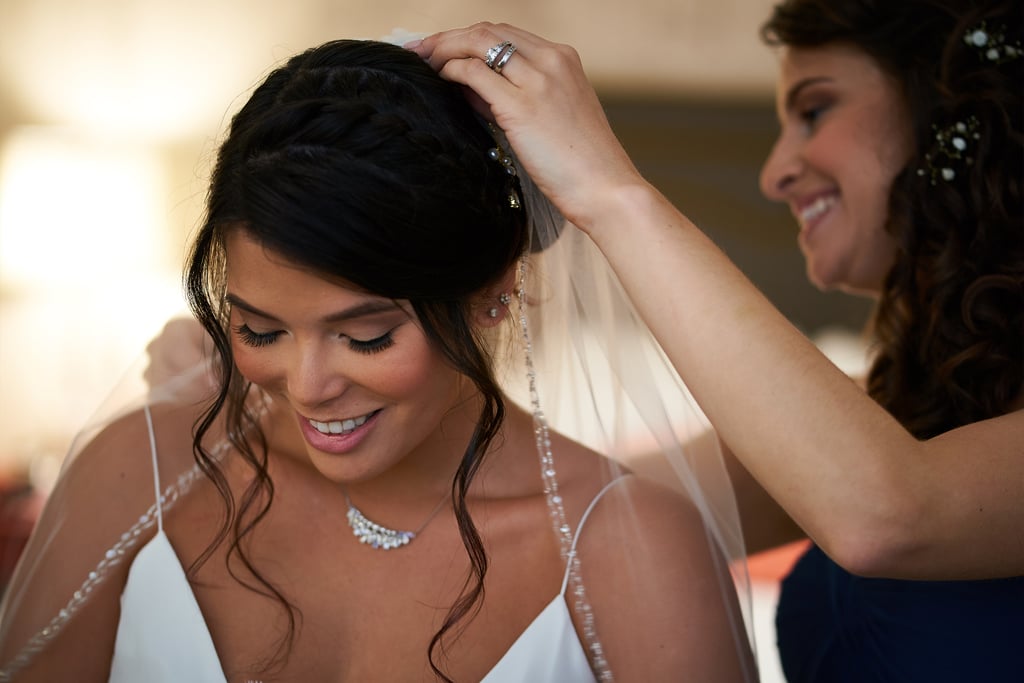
{"x":339,"y":426}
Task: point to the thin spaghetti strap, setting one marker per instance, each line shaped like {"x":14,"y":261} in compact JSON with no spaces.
{"x":156,"y":470}
{"x":579,"y":529}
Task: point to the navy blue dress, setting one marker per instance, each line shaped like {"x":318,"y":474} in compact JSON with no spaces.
{"x":835,"y":627}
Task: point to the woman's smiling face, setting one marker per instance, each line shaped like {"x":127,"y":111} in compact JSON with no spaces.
{"x":845,"y":135}
{"x":363,"y":383}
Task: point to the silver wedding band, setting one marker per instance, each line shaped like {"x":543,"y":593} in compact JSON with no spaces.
{"x":497,"y":57}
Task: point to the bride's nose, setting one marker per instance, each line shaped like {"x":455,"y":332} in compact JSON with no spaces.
{"x":315,"y":375}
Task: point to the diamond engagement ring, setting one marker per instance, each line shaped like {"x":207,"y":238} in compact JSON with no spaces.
{"x":497,"y":57}
{"x":503,"y":60}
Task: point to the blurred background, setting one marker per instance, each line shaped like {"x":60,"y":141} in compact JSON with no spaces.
{"x":110,"y":111}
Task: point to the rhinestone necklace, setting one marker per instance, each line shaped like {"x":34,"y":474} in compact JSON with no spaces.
{"x":378,"y":536}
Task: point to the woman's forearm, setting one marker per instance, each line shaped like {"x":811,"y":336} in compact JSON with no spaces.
{"x":860,"y":485}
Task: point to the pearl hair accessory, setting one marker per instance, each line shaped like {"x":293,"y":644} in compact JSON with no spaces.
{"x":951,"y":145}
{"x":991,"y":44}
{"x":498,"y":153}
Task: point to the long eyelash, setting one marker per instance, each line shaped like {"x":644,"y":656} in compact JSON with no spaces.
{"x":385,"y":341}
{"x":255,"y":339}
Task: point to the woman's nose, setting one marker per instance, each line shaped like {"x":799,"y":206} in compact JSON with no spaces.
{"x":780,"y":169}
{"x":314,"y":378}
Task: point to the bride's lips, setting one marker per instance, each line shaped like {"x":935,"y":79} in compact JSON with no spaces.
{"x":337,"y":436}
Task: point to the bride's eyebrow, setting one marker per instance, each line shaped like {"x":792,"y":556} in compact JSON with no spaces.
{"x":360,"y":310}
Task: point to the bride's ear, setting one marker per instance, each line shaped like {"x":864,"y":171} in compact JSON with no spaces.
{"x":491,"y":305}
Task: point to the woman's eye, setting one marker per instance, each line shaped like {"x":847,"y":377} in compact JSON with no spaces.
{"x":811,"y":115}
{"x":385,"y":341}
{"x":255,"y":339}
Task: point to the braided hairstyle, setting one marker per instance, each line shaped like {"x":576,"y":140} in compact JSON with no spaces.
{"x":356,"y":160}
{"x":949,"y":325}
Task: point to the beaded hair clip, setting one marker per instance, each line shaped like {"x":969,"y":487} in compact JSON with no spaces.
{"x":952,"y":143}
{"x":498,"y":153}
{"x":991,"y":44}
{"x":951,"y":146}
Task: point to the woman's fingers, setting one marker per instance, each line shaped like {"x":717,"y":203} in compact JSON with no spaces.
{"x":543,"y":101}
{"x":471,"y":42}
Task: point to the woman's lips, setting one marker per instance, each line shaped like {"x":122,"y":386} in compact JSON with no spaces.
{"x":337,"y":436}
{"x":810,"y":214}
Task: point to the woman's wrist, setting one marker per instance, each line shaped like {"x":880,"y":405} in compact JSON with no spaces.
{"x":634,"y":210}
{"x":611,"y":208}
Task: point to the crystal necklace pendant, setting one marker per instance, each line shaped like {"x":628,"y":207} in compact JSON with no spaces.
{"x":376,"y":535}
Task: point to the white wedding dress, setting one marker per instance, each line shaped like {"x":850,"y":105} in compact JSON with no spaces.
{"x":162,"y":635}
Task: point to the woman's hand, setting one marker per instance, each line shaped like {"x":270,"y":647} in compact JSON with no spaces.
{"x":180,"y":347}
{"x":547,"y":109}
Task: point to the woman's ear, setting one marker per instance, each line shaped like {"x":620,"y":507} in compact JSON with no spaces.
{"x":493,"y":303}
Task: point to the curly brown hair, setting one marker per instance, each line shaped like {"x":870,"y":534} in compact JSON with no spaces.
{"x":949,"y":324}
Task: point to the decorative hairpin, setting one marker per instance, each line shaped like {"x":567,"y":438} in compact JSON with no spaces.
{"x":991,"y":44}
{"x":498,"y":153}
{"x":951,"y":145}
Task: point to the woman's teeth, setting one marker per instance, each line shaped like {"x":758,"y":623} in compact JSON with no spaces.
{"x":339,"y":426}
{"x":816,"y":208}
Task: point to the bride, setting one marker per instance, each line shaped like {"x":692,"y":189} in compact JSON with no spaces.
{"x":386,"y":465}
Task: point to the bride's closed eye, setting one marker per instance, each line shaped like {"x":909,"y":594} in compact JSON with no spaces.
{"x":255,"y":339}
{"x":376,"y":345}
{"x":260,"y":339}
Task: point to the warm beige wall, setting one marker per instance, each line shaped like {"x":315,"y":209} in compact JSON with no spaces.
{"x":706,"y":156}
{"x":171,"y":67}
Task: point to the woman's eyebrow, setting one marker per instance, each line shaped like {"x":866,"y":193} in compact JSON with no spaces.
{"x":794,"y":92}
{"x":359,"y":310}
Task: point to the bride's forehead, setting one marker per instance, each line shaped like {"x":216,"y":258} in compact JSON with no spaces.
{"x":253,"y":267}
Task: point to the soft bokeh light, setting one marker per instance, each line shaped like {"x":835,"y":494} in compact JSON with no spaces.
{"x":163,"y":68}
{"x":86,"y":278}
{"x":77,"y":211}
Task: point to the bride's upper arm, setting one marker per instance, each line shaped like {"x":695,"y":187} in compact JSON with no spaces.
{"x":664,"y":601}
{"x":64,"y":596}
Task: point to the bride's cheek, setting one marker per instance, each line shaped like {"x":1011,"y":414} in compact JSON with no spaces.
{"x":252,"y":366}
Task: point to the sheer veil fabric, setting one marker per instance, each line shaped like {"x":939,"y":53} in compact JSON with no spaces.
{"x":605,"y":381}
{"x":601,"y":377}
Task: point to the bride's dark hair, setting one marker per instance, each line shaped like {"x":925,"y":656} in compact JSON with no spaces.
{"x":356,"y":160}
{"x":949,"y":324}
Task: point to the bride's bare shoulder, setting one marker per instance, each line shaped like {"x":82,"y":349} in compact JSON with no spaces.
{"x":652,"y":571}
{"x":111,"y":466}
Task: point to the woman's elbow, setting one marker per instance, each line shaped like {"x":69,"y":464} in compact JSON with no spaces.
{"x":882,"y":546}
